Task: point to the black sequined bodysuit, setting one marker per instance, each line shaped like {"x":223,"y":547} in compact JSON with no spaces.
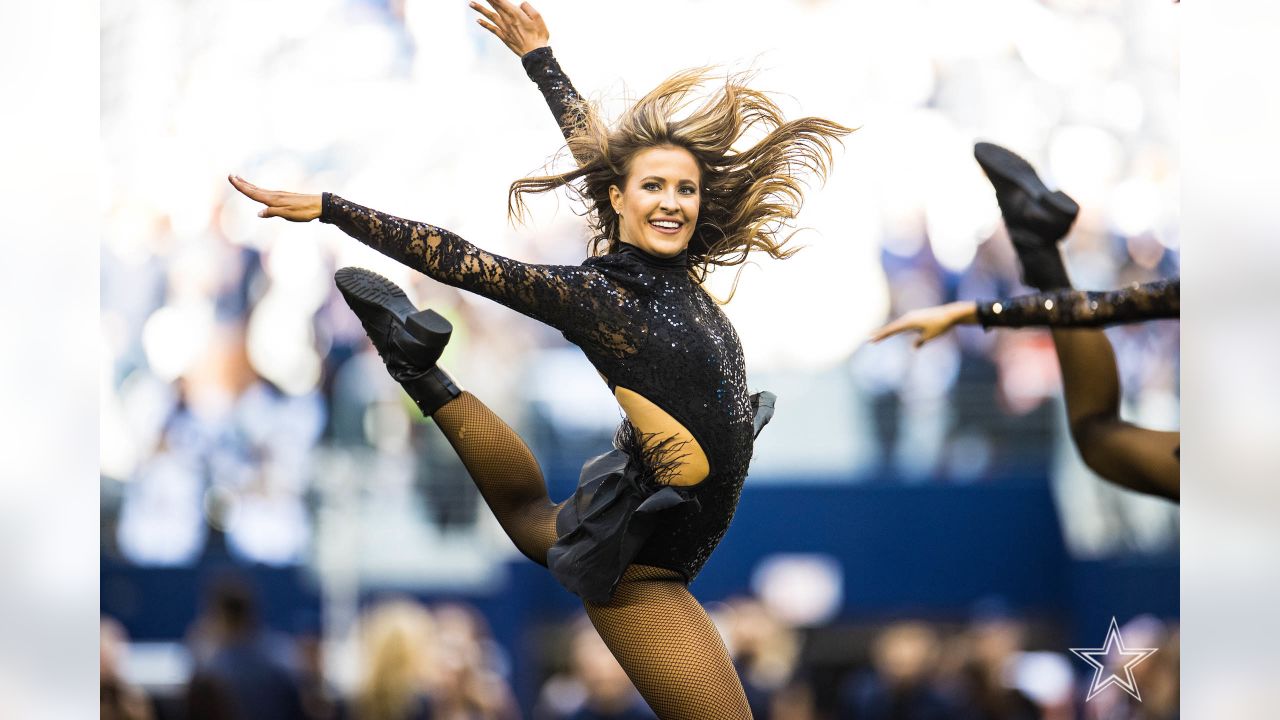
{"x":642,"y":322}
{"x":1080,"y":308}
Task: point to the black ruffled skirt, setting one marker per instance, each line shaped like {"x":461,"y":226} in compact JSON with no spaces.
{"x":619,"y":502}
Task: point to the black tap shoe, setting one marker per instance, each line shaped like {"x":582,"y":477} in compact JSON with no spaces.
{"x":409,"y":341}
{"x":1036,"y":217}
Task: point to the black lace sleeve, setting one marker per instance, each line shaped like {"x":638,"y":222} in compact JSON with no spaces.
{"x":570,"y":298}
{"x":562,"y":98}
{"x":1079,"y":308}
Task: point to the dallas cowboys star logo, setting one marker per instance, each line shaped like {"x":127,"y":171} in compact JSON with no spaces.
{"x":1114,"y":655}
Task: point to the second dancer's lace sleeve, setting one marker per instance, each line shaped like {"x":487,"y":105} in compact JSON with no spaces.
{"x":1079,"y":308}
{"x":573,"y":299}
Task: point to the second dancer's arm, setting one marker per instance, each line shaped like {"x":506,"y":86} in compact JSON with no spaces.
{"x":1157,"y":300}
{"x":1066,"y":308}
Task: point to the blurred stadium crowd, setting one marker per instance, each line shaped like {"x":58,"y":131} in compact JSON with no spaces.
{"x":241,"y":403}
{"x":419,"y":661}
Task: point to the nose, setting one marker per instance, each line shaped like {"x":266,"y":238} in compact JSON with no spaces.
{"x":669,"y":202}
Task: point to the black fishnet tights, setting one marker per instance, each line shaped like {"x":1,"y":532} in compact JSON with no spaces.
{"x":655,"y":628}
{"x":669,"y":647}
{"x":505,"y":472}
{"x":1134,"y":457}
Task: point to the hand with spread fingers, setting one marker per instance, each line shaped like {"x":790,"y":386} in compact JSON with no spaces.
{"x":930,"y":322}
{"x":294,"y":207}
{"x":519,"y":28}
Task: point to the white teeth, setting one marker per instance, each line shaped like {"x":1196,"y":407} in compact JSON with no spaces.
{"x":668,"y":224}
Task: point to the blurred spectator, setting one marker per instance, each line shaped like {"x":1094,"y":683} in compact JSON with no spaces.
{"x":320,"y":700}
{"x":765,"y":651}
{"x":119,"y":699}
{"x":900,"y":685}
{"x":978,"y":670}
{"x":1160,"y":679}
{"x":471,"y":684}
{"x":397,"y":641}
{"x":596,"y":688}
{"x":239,"y":675}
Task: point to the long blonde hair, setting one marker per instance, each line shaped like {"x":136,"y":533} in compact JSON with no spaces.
{"x":747,"y":195}
{"x":396,"y":639}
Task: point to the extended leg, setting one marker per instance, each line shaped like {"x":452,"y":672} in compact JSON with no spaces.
{"x":1133,"y":457}
{"x":505,"y":472}
{"x":669,"y":647}
{"x":410,"y":343}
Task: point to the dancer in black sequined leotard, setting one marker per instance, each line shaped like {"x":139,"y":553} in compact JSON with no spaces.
{"x":668,"y":197}
{"x":642,"y":322}
{"x":1135,"y":457}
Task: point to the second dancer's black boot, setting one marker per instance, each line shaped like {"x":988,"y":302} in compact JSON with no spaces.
{"x":1035,"y":217}
{"x":409,"y":341}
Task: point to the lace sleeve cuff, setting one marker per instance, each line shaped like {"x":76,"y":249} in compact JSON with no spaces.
{"x":326,"y":207}
{"x":536,"y":59}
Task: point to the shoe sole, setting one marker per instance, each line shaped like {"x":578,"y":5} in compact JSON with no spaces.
{"x":371,"y":290}
{"x":998,"y":162}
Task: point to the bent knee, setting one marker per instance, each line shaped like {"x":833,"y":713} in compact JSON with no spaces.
{"x":1091,"y":430}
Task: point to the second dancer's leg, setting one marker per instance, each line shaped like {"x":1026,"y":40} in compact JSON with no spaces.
{"x":499,"y":462}
{"x":1134,"y":457}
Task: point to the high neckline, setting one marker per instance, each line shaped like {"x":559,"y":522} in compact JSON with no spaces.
{"x":679,"y":260}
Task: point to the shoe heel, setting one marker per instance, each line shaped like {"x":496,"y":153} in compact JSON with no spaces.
{"x":1063,"y":202}
{"x":429,"y":328}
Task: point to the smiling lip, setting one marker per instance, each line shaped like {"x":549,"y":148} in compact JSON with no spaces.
{"x":666,"y":230}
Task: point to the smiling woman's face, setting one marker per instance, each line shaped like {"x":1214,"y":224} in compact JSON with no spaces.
{"x":658,"y":208}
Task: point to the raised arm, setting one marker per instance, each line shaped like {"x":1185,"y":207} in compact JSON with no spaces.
{"x":1079,"y":308}
{"x":562,"y":98}
{"x":523,"y":30}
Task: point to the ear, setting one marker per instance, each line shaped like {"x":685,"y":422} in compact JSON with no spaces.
{"x":615,"y":199}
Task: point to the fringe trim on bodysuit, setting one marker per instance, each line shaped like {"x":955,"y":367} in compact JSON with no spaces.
{"x":659,"y":461}
{"x":621,"y":498}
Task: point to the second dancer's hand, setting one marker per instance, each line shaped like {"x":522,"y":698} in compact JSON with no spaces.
{"x":294,"y":207}
{"x":519,"y":28}
{"x":930,"y":322}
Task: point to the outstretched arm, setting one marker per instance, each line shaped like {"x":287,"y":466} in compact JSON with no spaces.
{"x":1059,"y":309}
{"x":1079,"y":308}
{"x":567,"y":297}
{"x":523,"y":30}
{"x":930,"y":322}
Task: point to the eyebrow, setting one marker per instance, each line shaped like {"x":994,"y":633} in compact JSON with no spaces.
{"x":660,"y":179}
